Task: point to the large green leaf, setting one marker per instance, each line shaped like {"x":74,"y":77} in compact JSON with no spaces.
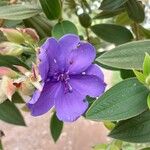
{"x":56,"y":127}
{"x":112,"y":33}
{"x":51,"y":8}
{"x":18,"y":11}
{"x":135,"y":10}
{"x":10,"y":114}
{"x":9,"y":61}
{"x":111,"y":4}
{"x":136,"y":129}
{"x":125,"y":100}
{"x":126,"y":56}
{"x":63,"y":28}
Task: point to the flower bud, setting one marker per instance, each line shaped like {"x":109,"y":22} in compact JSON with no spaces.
{"x":85,"y":20}
{"x":8,"y":48}
{"x":4,"y":71}
{"x":30,"y":35}
{"x":13,"y":35}
{"x":7,"y":88}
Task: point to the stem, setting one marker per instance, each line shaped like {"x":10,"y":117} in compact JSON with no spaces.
{"x":87,"y":34}
{"x":136,"y":31}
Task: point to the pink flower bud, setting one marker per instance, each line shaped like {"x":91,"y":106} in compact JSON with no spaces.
{"x":13,"y":35}
{"x":4,"y":71}
{"x":8,"y":48}
{"x":29,"y":35}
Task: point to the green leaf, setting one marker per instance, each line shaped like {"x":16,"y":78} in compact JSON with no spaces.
{"x":126,"y":74}
{"x":144,"y":32}
{"x":42,"y":25}
{"x":1,"y":146}
{"x":9,"y":61}
{"x":112,"y":33}
{"x":16,"y":98}
{"x":135,"y":130}
{"x":135,"y":10}
{"x":56,"y":127}
{"x":140,"y":76}
{"x":51,"y":8}
{"x":146,"y":65}
{"x":18,"y":11}
{"x":10,"y":114}
{"x":127,"y":56}
{"x":108,"y":14}
{"x":148,"y":101}
{"x":63,"y":28}
{"x":123,"y":19}
{"x":124,"y":100}
{"x":111,"y":4}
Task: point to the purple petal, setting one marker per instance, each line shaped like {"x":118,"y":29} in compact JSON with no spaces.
{"x":70,"y":106}
{"x":81,"y":58}
{"x":95,"y":70}
{"x":66,"y":44}
{"x":90,"y":85}
{"x":43,"y":101}
{"x":48,"y":56}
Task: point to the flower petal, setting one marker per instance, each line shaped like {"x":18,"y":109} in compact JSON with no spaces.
{"x":47,"y":56}
{"x":95,"y":70}
{"x":70,"y":106}
{"x":43,"y":101}
{"x":90,"y":85}
{"x":66,"y":44}
{"x":81,"y":58}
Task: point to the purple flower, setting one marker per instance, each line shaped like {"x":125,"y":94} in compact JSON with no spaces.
{"x":68,"y":76}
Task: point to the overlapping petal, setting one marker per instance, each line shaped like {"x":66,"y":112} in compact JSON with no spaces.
{"x":67,"y":43}
{"x":43,"y":101}
{"x":70,"y":106}
{"x":81,"y":58}
{"x":90,"y":85}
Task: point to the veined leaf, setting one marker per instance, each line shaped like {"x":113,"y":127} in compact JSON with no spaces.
{"x":10,"y":114}
{"x":127,"y":56}
{"x":133,"y":130}
{"x":18,"y":11}
{"x":112,"y":33}
{"x":124,"y":100}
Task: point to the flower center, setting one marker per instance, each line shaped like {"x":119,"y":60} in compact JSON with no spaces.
{"x":64,"y":77}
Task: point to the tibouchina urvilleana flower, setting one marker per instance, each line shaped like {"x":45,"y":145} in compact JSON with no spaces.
{"x":68,"y":76}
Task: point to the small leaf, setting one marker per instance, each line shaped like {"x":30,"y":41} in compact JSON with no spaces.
{"x":63,"y":28}
{"x":146,"y":65}
{"x":127,"y":56}
{"x":148,"y":101}
{"x":112,"y":33}
{"x":51,"y":8}
{"x":18,"y":11}
{"x":124,"y":100}
{"x":140,"y":76}
{"x":144,"y":32}
{"x":135,"y":10}
{"x":10,"y":61}
{"x":17,"y":98}
{"x":10,"y":114}
{"x":133,"y":130}
{"x":110,"y":5}
{"x":123,"y":19}
{"x":108,"y":14}
{"x":56,"y":127}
